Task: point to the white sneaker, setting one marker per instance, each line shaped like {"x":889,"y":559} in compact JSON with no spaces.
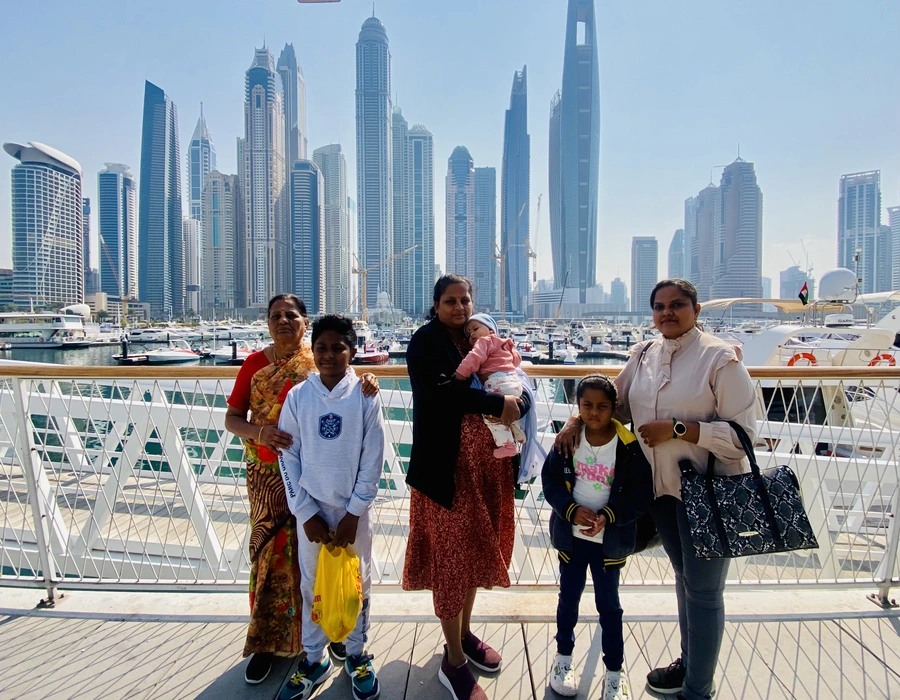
{"x":562,"y":676}
{"x":615,"y":686}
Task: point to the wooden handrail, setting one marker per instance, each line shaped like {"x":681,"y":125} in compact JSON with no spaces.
{"x":36,"y":371}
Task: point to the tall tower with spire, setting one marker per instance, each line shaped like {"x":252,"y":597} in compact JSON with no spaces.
{"x":263,"y":182}
{"x":294,"y":85}
{"x":201,"y":159}
{"x":575,"y":145}
{"x":374,"y":160}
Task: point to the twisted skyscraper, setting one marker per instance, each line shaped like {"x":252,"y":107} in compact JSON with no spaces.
{"x":575,"y":155}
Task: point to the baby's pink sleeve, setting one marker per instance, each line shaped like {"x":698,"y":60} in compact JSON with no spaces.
{"x":477,"y":355}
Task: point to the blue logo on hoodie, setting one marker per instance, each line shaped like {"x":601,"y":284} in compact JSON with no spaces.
{"x":330,"y":426}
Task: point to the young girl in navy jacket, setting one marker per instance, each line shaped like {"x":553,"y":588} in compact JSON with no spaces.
{"x":597,"y":496}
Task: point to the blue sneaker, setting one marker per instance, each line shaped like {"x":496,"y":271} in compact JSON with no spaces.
{"x":305,"y":680}
{"x":362,"y":677}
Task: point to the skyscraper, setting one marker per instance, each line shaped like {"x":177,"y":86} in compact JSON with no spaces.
{"x":461,"y":213}
{"x":404,"y":265}
{"x":677,"y":256}
{"x":352,"y":228}
{"x":338,"y":261}
{"x":47,"y":253}
{"x":485,"y":278}
{"x":737,"y":252}
{"x":218,"y":282}
{"x":421,"y":202}
{"x":294,"y":86}
{"x":118,"y":228}
{"x":308,"y":234}
{"x":894,"y":220}
{"x":86,"y":245}
{"x":263,"y":181}
{"x":161,"y":268}
{"x":618,"y":293}
{"x":575,"y":165}
{"x":190,"y":233}
{"x":644,"y":272}
{"x":859,"y":226}
{"x":374,"y":160}
{"x":701,"y":227}
{"x":200,"y":161}
{"x":514,"y":194}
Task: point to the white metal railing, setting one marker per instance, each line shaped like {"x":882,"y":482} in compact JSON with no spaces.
{"x":124,"y":478}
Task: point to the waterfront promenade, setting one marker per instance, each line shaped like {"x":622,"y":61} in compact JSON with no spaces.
{"x":778,"y":644}
{"x":120,"y":489}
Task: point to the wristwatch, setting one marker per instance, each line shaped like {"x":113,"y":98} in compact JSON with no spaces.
{"x":679,"y":429}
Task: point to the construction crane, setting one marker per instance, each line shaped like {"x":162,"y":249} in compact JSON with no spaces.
{"x":529,"y":253}
{"x":501,"y":256}
{"x":363,"y":273}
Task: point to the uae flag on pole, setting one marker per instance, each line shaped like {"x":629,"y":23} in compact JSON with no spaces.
{"x":804,"y":294}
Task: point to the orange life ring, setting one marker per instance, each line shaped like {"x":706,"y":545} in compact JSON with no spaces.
{"x":883,"y":357}
{"x":808,"y":356}
{"x":41,"y":340}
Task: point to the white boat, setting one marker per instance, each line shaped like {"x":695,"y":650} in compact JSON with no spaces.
{"x":178,"y":353}
{"x":153,"y":335}
{"x":42,"y":330}
{"x":370,"y":354}
{"x":233,"y":354}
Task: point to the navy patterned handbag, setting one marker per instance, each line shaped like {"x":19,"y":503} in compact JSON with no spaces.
{"x":737,"y":516}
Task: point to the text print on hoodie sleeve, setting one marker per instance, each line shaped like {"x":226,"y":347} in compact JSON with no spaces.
{"x":302,"y":505}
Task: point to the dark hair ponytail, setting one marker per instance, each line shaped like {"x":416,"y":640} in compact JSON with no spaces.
{"x":441,"y":286}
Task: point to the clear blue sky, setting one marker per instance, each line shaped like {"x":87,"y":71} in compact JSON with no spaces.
{"x":810,"y":89}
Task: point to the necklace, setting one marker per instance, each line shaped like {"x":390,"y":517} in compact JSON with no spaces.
{"x":595,"y":450}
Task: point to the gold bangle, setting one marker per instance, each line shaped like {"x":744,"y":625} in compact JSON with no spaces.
{"x":259,"y":437}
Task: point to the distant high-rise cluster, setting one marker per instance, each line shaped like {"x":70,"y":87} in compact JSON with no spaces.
{"x":723,"y":235}
{"x":287,"y":221}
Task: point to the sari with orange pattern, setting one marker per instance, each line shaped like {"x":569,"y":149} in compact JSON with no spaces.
{"x":275,"y":605}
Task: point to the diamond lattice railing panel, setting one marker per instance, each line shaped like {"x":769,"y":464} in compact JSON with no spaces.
{"x":142,"y":483}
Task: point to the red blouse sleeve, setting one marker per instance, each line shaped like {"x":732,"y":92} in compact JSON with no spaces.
{"x":240,"y":394}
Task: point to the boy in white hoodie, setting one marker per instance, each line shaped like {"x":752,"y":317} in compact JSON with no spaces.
{"x":331,"y":473}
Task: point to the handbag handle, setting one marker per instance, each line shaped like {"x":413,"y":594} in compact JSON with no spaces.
{"x":744,"y":439}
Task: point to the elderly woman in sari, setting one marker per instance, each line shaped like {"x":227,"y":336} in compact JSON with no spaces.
{"x":259,"y":389}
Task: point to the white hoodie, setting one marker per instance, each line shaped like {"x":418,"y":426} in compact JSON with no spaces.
{"x":337,"y":455}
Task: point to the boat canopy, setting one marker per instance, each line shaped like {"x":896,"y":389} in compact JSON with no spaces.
{"x":788,"y":306}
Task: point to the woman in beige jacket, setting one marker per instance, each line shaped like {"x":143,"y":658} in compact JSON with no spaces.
{"x":679,"y":391}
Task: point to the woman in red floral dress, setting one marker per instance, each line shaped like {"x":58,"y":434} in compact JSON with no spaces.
{"x":253,"y":410}
{"x":462,"y":511}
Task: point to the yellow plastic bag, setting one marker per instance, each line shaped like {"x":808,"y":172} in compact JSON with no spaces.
{"x":337,"y":594}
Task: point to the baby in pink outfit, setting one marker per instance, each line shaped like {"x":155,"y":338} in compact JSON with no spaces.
{"x":494,"y":360}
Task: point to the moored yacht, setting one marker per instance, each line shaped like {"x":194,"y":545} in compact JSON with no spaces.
{"x":42,"y":330}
